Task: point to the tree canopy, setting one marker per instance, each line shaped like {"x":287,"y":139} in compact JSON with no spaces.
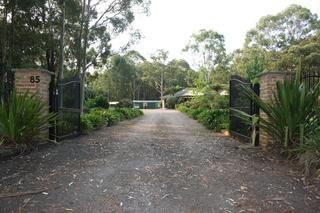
{"x":35,"y":33}
{"x":209,"y":47}
{"x":277,"y":32}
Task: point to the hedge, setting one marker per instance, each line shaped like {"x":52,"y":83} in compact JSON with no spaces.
{"x":106,"y":117}
{"x":215,"y":119}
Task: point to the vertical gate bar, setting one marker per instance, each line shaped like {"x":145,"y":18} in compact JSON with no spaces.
{"x":239,"y":101}
{"x":79,"y":104}
{"x":230,"y":103}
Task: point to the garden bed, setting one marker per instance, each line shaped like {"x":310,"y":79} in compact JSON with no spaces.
{"x":214,"y":119}
{"x":98,"y":118}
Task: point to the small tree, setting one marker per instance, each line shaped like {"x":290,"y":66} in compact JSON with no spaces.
{"x":209,"y":47}
{"x":171,"y":102}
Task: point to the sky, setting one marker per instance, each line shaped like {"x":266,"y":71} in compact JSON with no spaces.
{"x":172,"y":22}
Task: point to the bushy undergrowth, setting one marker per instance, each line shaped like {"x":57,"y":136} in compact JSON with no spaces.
{"x":97,"y":102}
{"x":106,"y":117}
{"x":23,"y":118}
{"x":292,"y":114}
{"x":125,"y":103}
{"x":215,"y":119}
{"x":171,"y":102}
{"x":292,"y":119}
{"x":209,"y":101}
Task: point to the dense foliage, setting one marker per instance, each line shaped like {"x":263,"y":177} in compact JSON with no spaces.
{"x":64,"y":35}
{"x":97,"y":102}
{"x":126,"y":103}
{"x":23,"y":120}
{"x":292,"y":119}
{"x":209,"y":48}
{"x":280,"y":42}
{"x":106,"y":117}
{"x":292,"y":114}
{"x":209,"y":101}
{"x":215,"y":119}
{"x":133,"y":77}
{"x":171,"y":102}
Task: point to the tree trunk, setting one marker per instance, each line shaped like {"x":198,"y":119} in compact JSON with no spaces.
{"x":3,"y":44}
{"x":80,"y":44}
{"x":11,"y":48}
{"x":61,"y":64}
{"x":84,"y":55}
{"x":161,"y":88}
{"x":50,"y":56}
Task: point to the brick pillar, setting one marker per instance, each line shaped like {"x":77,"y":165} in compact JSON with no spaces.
{"x":34,"y":81}
{"x":267,"y":82}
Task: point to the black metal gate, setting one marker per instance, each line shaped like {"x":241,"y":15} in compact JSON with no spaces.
{"x":65,"y":100}
{"x":310,"y":78}
{"x":7,"y":84}
{"x":240,"y":101}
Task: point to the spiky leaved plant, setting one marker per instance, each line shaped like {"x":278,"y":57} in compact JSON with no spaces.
{"x":23,"y":117}
{"x":291,"y":113}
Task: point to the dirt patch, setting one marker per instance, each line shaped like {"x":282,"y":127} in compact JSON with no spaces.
{"x":161,"y":162}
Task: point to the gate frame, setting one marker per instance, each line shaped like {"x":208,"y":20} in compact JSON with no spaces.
{"x":56,"y":105}
{"x":254,"y":109}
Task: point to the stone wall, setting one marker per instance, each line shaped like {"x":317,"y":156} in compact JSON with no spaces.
{"x":267,"y":82}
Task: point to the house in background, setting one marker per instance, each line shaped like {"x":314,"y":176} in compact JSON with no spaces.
{"x":147,"y":104}
{"x":187,"y":94}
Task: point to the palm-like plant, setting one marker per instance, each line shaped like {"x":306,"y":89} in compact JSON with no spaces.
{"x":23,"y":118}
{"x":291,"y":113}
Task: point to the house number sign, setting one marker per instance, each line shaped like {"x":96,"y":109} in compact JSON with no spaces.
{"x":35,"y":79}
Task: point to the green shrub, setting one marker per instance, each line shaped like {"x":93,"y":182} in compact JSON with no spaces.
{"x":182,"y":108}
{"x":194,"y":113}
{"x":23,"y":118}
{"x":210,"y":101}
{"x":114,"y":117}
{"x":221,"y":102}
{"x":217,"y":119}
{"x":291,"y":113}
{"x":101,"y":102}
{"x":309,"y":154}
{"x":86,"y":124}
{"x":90,"y":103}
{"x":171,"y":102}
{"x":97,"y":102}
{"x":126,"y":103}
{"x":99,"y":117}
{"x":128,"y":113}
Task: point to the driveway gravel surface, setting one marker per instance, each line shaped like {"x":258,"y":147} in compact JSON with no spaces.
{"x":160,"y":162}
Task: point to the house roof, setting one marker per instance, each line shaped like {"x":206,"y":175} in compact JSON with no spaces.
{"x":187,"y":92}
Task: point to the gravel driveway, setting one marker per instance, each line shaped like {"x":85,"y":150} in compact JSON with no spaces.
{"x":161,"y":162}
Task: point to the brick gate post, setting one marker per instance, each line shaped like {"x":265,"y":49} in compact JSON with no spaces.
{"x":267,"y":82}
{"x":35,"y":81}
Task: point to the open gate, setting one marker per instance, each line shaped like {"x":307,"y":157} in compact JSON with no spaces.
{"x":65,"y":100}
{"x":239,"y":101}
